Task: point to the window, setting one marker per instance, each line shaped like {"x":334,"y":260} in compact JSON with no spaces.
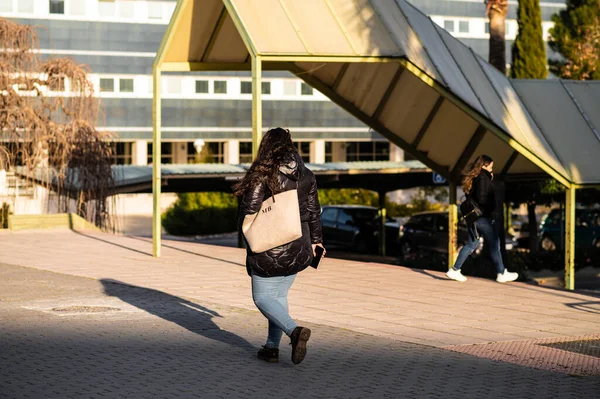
{"x":166,"y":153}
{"x":266,"y":87}
{"x":76,"y":7}
{"x":215,"y":152}
{"x":155,"y":10}
{"x":246,"y":87}
{"x":106,"y":8}
{"x":126,"y":85}
{"x":126,"y":9}
{"x":329,"y":215}
{"x":211,"y":153}
{"x":507,"y":28}
{"x":345,"y":218}
{"x":220,"y":87}
{"x":122,"y":153}
{"x":107,"y":84}
{"x":328,"y":151}
{"x":245,"y":152}
{"x":25,"y":6}
{"x":368,"y":151}
{"x":6,"y":6}
{"x":449,"y":25}
{"x":57,"y":6}
{"x":463,"y":26}
{"x":306,"y":90}
{"x":290,"y":88}
{"x":202,"y":86}
{"x":303,"y":149}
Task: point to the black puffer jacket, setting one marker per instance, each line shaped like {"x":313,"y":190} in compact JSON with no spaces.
{"x":296,"y":256}
{"x":483,"y":193}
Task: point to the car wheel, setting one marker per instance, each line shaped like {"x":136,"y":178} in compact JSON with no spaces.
{"x":547,"y":244}
{"x":406,"y":249}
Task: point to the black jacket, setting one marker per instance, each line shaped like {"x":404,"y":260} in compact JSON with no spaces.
{"x":483,"y":193}
{"x":296,"y":256}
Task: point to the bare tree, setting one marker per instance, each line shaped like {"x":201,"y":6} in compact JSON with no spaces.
{"x":47,"y":115}
{"x":496,"y":11}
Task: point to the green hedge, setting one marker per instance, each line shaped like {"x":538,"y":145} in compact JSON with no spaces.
{"x":201,"y":214}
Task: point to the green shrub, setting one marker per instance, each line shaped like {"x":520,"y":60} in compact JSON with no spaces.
{"x":201,"y":213}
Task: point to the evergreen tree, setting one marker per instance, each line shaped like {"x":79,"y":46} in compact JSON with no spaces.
{"x":576,"y":36}
{"x":529,"y":50}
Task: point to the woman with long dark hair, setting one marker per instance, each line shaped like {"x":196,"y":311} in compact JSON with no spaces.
{"x":477,"y":184}
{"x":277,"y":168}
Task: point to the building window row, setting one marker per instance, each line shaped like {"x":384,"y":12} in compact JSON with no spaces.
{"x":190,"y":87}
{"x":216,"y":152}
{"x":480,"y":27}
{"x":139,"y":10}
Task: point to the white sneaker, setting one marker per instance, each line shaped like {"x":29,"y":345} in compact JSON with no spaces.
{"x":456,"y":275}
{"x":507,"y":277}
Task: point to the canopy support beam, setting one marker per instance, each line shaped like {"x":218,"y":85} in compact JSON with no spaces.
{"x":570,"y":238}
{"x":156,"y":161}
{"x":468,"y":152}
{"x":428,"y":121}
{"x":256,"y":104}
{"x":452,"y":223}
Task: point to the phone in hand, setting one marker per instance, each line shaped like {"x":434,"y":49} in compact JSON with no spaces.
{"x":319,"y":250}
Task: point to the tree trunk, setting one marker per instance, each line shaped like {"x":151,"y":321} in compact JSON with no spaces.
{"x":497,"y":55}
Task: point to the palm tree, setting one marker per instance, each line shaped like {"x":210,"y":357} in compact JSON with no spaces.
{"x":497,"y":10}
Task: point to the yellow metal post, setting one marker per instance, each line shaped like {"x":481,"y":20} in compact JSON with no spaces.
{"x":570,"y":239}
{"x":382,"y":232}
{"x":256,"y":104}
{"x":452,"y":224}
{"x":156,"y":158}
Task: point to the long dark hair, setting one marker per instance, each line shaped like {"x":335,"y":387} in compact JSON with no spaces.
{"x":276,"y":149}
{"x":473,"y":170}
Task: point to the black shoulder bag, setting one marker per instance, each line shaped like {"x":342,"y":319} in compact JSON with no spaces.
{"x":470,"y":210}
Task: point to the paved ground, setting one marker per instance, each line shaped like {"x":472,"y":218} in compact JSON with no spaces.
{"x":189,"y":328}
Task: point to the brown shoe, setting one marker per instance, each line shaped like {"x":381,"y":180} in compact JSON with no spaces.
{"x":299,"y":337}
{"x":267,"y":354}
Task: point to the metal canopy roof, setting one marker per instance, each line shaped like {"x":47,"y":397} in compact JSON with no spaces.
{"x":394,"y":69}
{"x":376,"y":176}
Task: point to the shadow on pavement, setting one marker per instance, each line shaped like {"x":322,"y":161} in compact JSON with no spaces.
{"x":189,"y":315}
{"x":112,"y":243}
{"x":433,"y":276}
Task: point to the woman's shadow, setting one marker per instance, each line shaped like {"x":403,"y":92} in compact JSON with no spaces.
{"x":189,"y":315}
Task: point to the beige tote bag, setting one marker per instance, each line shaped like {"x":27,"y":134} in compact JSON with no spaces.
{"x":277,"y":223}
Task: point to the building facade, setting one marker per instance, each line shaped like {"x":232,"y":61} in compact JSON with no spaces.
{"x":208,"y":115}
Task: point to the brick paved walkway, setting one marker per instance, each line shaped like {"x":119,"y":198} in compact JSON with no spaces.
{"x":158,"y":345}
{"x":393,"y":305}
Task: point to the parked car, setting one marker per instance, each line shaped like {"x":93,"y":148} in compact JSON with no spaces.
{"x":356,"y":227}
{"x":429,"y":231}
{"x":520,"y":230}
{"x":587,"y":229}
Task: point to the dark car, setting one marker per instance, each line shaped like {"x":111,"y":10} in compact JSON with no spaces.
{"x":356,"y":227}
{"x":429,"y":231}
{"x":587,"y":229}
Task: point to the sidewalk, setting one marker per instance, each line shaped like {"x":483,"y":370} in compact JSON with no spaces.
{"x":394,"y":304}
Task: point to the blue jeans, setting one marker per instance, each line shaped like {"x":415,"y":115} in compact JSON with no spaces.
{"x":486,"y":228}
{"x":270,"y":297}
